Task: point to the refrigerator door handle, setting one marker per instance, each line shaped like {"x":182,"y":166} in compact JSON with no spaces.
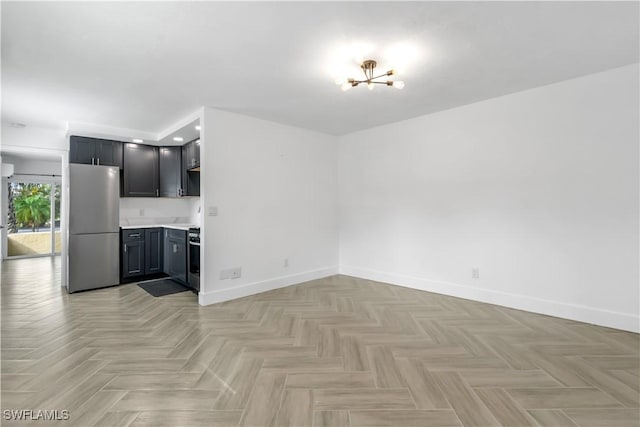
{"x":125,"y":248}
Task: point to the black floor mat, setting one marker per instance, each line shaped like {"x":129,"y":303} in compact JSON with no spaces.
{"x":162,"y":287}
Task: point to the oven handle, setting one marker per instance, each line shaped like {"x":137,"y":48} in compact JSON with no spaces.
{"x":194,"y":243}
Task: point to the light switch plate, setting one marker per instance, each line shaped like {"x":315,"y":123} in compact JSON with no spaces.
{"x":213,"y":211}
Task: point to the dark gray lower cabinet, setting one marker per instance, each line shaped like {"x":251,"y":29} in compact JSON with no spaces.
{"x":154,"y":250}
{"x":133,"y":253}
{"x":142,"y":252}
{"x":175,"y":254}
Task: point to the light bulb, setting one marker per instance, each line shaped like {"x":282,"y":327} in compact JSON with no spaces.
{"x":345,"y":86}
{"x":399,"y":84}
{"x":370,"y":86}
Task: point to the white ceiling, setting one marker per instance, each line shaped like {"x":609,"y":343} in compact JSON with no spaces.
{"x":145,"y":65}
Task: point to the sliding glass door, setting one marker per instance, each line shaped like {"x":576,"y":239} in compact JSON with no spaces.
{"x":33,"y":223}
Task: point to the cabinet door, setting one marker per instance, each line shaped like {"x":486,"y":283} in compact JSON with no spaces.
{"x":133,"y":259}
{"x":193,"y":183}
{"x":176,"y":254}
{"x":185,"y":167}
{"x":109,"y":153}
{"x":167,"y":252}
{"x":196,"y":153}
{"x":178,"y":266}
{"x":82,"y":150}
{"x":140,"y":170}
{"x":154,"y":250}
{"x":170,"y":172}
{"x":193,"y":155}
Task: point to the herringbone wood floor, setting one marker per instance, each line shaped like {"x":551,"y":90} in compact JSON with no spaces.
{"x":333,"y":352}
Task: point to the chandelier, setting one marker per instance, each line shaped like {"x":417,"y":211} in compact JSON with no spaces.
{"x":370,"y":80}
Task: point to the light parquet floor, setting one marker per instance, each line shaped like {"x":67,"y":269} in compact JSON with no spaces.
{"x":336,"y":352}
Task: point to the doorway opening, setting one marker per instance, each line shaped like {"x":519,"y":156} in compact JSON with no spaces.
{"x":33,"y":217}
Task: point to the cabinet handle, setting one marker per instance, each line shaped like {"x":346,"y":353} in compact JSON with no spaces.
{"x":98,"y":161}
{"x":134,"y":235}
{"x":125,"y":248}
{"x":157,"y":193}
{"x":93,"y":161}
{"x":175,"y":248}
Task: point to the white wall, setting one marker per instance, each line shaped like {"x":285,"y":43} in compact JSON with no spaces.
{"x":275,"y":188}
{"x":33,"y":166}
{"x":34,"y":137}
{"x":538,"y":189}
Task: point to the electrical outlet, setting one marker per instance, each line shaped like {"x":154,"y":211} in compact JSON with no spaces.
{"x":213,"y":211}
{"x":231,"y":273}
{"x":286,"y":263}
{"x":475,"y":273}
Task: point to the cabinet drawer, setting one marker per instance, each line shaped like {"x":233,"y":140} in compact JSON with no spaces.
{"x":133,"y":235}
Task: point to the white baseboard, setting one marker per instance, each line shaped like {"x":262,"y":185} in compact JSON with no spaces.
{"x":231,"y":293}
{"x":596,"y":316}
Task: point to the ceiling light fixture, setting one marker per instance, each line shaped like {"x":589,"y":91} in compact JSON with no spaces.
{"x":371,"y":80}
{"x":178,"y":139}
{"x":197,"y":127}
{"x":137,"y":140}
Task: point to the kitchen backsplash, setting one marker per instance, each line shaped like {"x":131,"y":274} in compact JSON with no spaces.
{"x":144,"y":210}
{"x":194,"y":209}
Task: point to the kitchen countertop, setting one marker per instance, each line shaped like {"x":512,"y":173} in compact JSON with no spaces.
{"x":184,"y":227}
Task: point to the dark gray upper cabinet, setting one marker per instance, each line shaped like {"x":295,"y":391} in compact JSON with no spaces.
{"x":82,"y":150}
{"x":94,"y":151}
{"x":193,"y":183}
{"x":109,"y":153}
{"x":191,"y":161}
{"x":133,"y":253}
{"x":154,"y":250}
{"x":191,"y":154}
{"x":175,"y":254}
{"x":170,"y":172}
{"x":141,"y":178}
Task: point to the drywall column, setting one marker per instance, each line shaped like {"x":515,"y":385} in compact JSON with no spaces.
{"x":269,"y":200}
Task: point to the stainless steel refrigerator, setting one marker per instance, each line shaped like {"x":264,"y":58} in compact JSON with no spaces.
{"x":94,"y":227}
